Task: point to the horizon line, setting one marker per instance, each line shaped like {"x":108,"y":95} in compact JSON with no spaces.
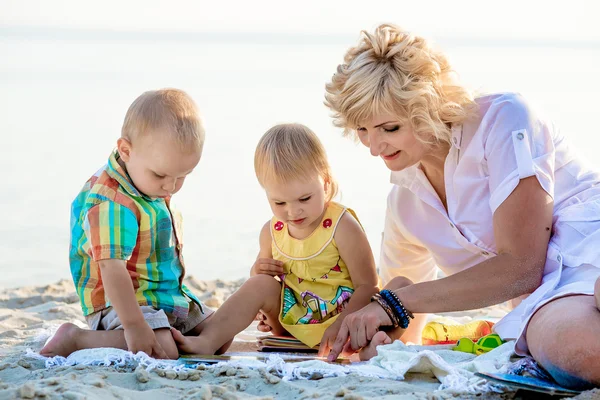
{"x":46,"y":32}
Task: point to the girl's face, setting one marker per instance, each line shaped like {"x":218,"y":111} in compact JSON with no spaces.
{"x":298,"y":203}
{"x":392,"y":140}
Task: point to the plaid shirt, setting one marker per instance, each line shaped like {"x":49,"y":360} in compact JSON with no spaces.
{"x":111,"y":219}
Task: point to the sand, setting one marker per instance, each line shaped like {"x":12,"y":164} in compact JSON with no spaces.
{"x":28,"y":315}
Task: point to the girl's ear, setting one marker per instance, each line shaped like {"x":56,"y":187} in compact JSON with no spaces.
{"x":124,"y":149}
{"x":326,"y":185}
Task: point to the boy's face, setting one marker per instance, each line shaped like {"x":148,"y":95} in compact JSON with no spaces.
{"x":156,"y":163}
{"x":299,"y":203}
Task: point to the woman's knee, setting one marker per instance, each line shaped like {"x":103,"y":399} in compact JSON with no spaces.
{"x":567,"y":347}
{"x":597,"y":293}
{"x":398,"y":282}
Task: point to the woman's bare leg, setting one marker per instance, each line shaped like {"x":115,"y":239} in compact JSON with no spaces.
{"x":563,"y":337}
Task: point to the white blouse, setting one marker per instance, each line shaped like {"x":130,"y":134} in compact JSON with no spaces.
{"x":487,"y":159}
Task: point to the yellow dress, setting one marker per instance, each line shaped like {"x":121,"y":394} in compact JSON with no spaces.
{"x":316,"y":284}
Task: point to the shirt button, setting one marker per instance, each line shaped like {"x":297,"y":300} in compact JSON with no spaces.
{"x":520,"y":136}
{"x":485,"y":253}
{"x":455,"y":140}
{"x":558,"y":258}
{"x":451,"y":225}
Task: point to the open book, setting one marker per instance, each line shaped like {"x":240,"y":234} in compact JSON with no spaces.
{"x":272,"y":343}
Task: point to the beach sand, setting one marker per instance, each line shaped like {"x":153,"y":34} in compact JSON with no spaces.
{"x":28,"y":315}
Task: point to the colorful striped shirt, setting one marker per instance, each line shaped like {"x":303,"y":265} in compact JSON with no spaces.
{"x":111,"y":219}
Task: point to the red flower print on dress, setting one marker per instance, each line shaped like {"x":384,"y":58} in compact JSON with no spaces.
{"x":278,"y":226}
{"x":327,"y":223}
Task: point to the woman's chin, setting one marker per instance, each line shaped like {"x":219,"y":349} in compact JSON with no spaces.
{"x":395,"y":166}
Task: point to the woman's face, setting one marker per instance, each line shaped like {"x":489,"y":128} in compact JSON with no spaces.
{"x":393,"y":141}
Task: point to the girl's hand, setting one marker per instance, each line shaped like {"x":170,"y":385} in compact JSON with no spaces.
{"x":267,"y":266}
{"x":359,"y":328}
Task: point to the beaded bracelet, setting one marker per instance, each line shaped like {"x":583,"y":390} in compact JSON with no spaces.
{"x":395,"y":296}
{"x":399,"y":310}
{"x":387,"y":308}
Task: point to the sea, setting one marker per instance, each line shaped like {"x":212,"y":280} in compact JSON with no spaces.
{"x":64,"y":93}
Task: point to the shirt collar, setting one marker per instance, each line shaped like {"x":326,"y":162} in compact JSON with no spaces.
{"x":404,"y":177}
{"x":118,"y":173}
{"x":456,"y":132}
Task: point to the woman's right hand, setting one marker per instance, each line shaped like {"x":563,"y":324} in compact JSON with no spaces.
{"x":267,"y":266}
{"x":359,"y":328}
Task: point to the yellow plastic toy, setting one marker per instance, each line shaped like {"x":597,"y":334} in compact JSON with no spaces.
{"x":483,"y":345}
{"x":449,"y":332}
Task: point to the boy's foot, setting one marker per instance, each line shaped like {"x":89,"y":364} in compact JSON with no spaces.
{"x":63,"y":343}
{"x":370,"y":351}
{"x":191,"y":344}
{"x":597,"y":293}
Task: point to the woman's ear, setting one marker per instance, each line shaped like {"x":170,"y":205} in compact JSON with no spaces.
{"x":124,"y":149}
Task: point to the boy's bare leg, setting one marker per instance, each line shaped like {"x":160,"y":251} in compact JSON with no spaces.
{"x":70,"y":338}
{"x":260,"y":292}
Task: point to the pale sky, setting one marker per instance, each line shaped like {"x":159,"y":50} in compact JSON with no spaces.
{"x":500,"y":19}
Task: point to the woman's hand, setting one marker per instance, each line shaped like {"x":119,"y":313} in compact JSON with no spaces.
{"x":329,"y":338}
{"x":359,"y":328}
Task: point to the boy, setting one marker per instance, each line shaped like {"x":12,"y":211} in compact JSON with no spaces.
{"x":125,"y":252}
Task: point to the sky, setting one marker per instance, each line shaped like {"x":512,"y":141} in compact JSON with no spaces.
{"x":507,"y":19}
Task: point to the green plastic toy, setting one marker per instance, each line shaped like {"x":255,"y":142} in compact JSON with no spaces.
{"x":483,"y":345}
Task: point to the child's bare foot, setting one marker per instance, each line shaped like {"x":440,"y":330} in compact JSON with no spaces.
{"x":370,"y":351}
{"x":63,"y":343}
{"x":191,"y":344}
{"x":597,"y":293}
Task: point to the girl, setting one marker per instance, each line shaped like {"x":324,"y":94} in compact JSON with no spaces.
{"x":315,"y":264}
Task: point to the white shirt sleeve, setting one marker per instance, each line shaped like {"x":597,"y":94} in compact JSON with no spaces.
{"x":399,"y":257}
{"x":518,"y":145}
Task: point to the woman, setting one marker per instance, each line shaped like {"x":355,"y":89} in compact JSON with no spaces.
{"x":485,"y":190}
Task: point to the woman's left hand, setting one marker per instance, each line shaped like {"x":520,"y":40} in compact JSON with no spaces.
{"x":359,"y":327}
{"x":329,"y":338}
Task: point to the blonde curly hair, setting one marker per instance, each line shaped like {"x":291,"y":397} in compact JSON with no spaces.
{"x":394,"y":72}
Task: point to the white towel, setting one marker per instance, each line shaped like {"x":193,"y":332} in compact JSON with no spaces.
{"x":455,"y":370}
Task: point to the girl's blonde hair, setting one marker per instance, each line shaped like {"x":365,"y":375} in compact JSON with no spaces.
{"x":289,"y":152}
{"x":394,"y":72}
{"x":171,"y":110}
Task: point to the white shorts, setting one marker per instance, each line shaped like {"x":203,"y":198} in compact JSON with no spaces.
{"x":563,"y":281}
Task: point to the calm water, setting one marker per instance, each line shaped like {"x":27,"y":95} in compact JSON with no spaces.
{"x":63,"y":98}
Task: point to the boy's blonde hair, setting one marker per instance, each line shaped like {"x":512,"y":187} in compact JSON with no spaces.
{"x":292,"y":151}
{"x":171,"y":110}
{"x":394,"y":72}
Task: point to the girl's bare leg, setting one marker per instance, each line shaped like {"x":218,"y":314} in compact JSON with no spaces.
{"x":260,"y":292}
